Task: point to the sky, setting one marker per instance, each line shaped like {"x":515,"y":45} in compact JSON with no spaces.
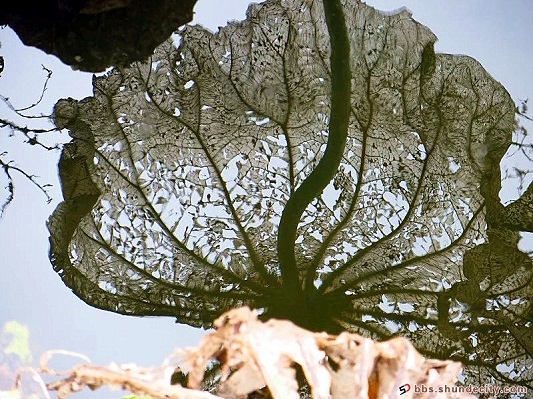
{"x":497,"y":34}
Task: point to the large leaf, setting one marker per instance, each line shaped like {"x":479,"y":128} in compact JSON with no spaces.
{"x":225,"y":172}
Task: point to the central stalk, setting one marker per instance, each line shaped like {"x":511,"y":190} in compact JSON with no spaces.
{"x":326,"y":169}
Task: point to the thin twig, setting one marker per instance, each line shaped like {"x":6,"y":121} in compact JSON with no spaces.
{"x":19,"y":111}
{"x":32,"y":139}
{"x":524,"y":115}
{"x":7,"y":167}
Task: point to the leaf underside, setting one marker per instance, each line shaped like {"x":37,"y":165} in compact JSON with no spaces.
{"x":180,"y":170}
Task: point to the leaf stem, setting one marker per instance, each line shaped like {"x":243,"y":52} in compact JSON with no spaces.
{"x":326,"y":169}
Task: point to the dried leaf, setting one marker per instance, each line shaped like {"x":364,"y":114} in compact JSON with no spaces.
{"x":255,"y":354}
{"x":264,"y":353}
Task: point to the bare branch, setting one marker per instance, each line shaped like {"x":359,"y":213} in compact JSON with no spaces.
{"x":7,"y":167}
{"x":20,"y":110}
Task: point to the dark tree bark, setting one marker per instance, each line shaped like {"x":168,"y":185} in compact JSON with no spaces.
{"x":92,"y":35}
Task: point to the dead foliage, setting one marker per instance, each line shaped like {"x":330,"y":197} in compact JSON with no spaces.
{"x":262,"y":357}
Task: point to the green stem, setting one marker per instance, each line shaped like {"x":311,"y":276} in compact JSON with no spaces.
{"x":326,"y":169}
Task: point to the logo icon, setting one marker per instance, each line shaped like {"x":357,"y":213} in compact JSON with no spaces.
{"x":405,"y":388}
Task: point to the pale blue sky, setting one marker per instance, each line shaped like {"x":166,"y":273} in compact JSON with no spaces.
{"x":498,"y":34}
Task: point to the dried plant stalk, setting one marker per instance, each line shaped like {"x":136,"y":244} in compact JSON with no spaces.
{"x":255,"y":355}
